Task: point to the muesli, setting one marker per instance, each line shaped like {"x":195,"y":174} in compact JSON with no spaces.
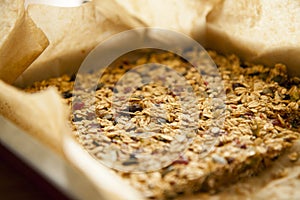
{"x":260,"y":110}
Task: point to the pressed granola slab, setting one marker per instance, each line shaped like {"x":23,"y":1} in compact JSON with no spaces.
{"x":261,"y":121}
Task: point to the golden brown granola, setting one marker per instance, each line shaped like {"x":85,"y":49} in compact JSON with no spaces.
{"x":261,"y":120}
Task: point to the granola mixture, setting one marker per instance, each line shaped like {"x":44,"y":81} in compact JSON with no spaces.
{"x":261,"y":120}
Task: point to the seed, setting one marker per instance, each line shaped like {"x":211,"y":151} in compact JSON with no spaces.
{"x":218,"y":159}
{"x":236,"y":85}
{"x":267,"y":91}
{"x":67,"y":94}
{"x":163,"y":138}
{"x":108,"y":116}
{"x":130,"y":161}
{"x":134,"y":108}
{"x":294,"y":93}
{"x":279,"y":79}
{"x":77,"y":118}
{"x":161,"y":120}
{"x":253,"y":104}
{"x":95,"y":143}
{"x":215,"y":130}
{"x":112,"y":134}
{"x":99,"y":86}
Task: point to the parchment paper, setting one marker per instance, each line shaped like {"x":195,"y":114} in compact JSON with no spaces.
{"x":260,"y":31}
{"x":72,"y":33}
{"x":21,"y":41}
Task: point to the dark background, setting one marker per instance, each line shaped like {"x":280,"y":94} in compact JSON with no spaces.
{"x":18,"y":181}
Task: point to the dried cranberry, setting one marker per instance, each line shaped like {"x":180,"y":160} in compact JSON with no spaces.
{"x":127,"y":89}
{"x":172,"y":182}
{"x":94,"y":125}
{"x":78,"y":105}
{"x":237,"y":141}
{"x":230,"y":160}
{"x":249,"y":113}
{"x":220,"y":144}
{"x":276,"y":122}
{"x":90,"y":116}
{"x":181,"y":160}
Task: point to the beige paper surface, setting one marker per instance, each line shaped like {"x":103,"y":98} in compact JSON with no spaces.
{"x":42,"y":114}
{"x":260,"y":31}
{"x":256,"y":30}
{"x":73,"y":32}
{"x":21,"y":41}
{"x":188,"y":17}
